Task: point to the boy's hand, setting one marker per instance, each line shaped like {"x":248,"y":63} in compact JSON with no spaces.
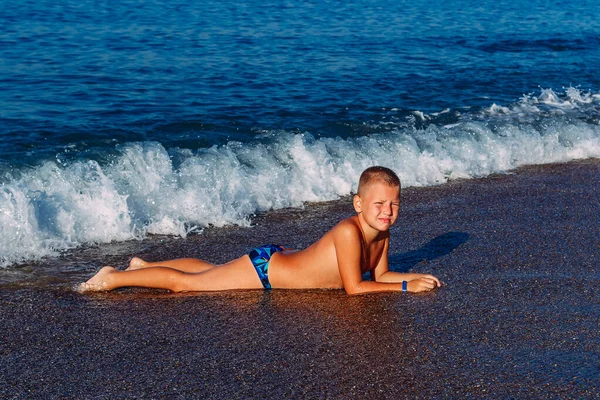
{"x":423,"y":284}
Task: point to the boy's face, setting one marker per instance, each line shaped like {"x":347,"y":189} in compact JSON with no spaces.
{"x":379,"y":205}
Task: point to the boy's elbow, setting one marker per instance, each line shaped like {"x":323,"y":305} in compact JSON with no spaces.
{"x":354,"y":290}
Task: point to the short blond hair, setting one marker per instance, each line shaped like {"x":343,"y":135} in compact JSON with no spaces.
{"x":377,"y":174}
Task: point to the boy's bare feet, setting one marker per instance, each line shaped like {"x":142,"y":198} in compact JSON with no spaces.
{"x":136,"y":263}
{"x":97,"y":282}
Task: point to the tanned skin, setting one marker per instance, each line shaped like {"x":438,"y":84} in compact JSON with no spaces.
{"x":338,"y":260}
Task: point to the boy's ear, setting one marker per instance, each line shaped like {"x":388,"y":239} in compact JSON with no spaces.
{"x":357,"y":203}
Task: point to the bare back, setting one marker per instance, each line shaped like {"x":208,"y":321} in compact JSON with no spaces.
{"x":317,"y":266}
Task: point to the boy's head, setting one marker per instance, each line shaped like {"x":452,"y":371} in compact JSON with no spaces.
{"x":376,"y":174}
{"x":378,"y":199}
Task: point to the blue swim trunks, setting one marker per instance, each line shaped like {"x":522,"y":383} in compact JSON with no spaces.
{"x":260,"y":258}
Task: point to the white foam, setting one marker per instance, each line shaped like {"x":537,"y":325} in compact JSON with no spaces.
{"x":496,"y":109}
{"x":55,"y":207}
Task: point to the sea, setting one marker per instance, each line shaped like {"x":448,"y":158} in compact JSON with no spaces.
{"x":124,"y":119}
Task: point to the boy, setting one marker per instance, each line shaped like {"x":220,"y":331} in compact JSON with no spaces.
{"x":354,"y":246}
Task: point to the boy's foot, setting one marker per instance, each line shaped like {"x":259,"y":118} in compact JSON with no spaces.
{"x":136,"y":263}
{"x":97,"y":282}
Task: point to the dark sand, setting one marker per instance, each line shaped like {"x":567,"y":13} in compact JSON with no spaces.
{"x":519,"y":316}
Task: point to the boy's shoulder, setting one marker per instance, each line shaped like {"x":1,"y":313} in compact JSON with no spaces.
{"x":347,"y":228}
{"x":350,"y":229}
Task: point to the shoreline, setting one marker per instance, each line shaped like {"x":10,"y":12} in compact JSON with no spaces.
{"x":517,"y":317}
{"x":218,"y":245}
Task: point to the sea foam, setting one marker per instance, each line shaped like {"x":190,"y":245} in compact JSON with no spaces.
{"x":148,"y":189}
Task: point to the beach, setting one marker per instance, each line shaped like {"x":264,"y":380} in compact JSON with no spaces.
{"x":517,"y":317}
{"x":204,"y":129}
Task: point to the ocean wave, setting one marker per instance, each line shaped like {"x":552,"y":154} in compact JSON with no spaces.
{"x":149,"y":189}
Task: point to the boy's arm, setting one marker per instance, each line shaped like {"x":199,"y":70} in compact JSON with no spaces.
{"x":348,"y":250}
{"x":416,"y":282}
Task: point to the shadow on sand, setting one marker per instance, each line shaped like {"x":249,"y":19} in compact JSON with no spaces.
{"x":436,"y":248}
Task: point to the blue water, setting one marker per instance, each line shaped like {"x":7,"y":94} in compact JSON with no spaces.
{"x":120,"y":119}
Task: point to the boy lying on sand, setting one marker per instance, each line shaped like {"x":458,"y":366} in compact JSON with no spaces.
{"x":354,"y":246}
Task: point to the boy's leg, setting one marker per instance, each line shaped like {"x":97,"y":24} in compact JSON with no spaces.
{"x":181,"y":264}
{"x":237,"y":274}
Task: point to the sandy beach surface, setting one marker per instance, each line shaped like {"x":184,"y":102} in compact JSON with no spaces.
{"x":518,"y":316}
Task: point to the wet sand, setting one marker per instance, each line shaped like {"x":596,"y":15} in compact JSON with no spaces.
{"x":518,"y":317}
